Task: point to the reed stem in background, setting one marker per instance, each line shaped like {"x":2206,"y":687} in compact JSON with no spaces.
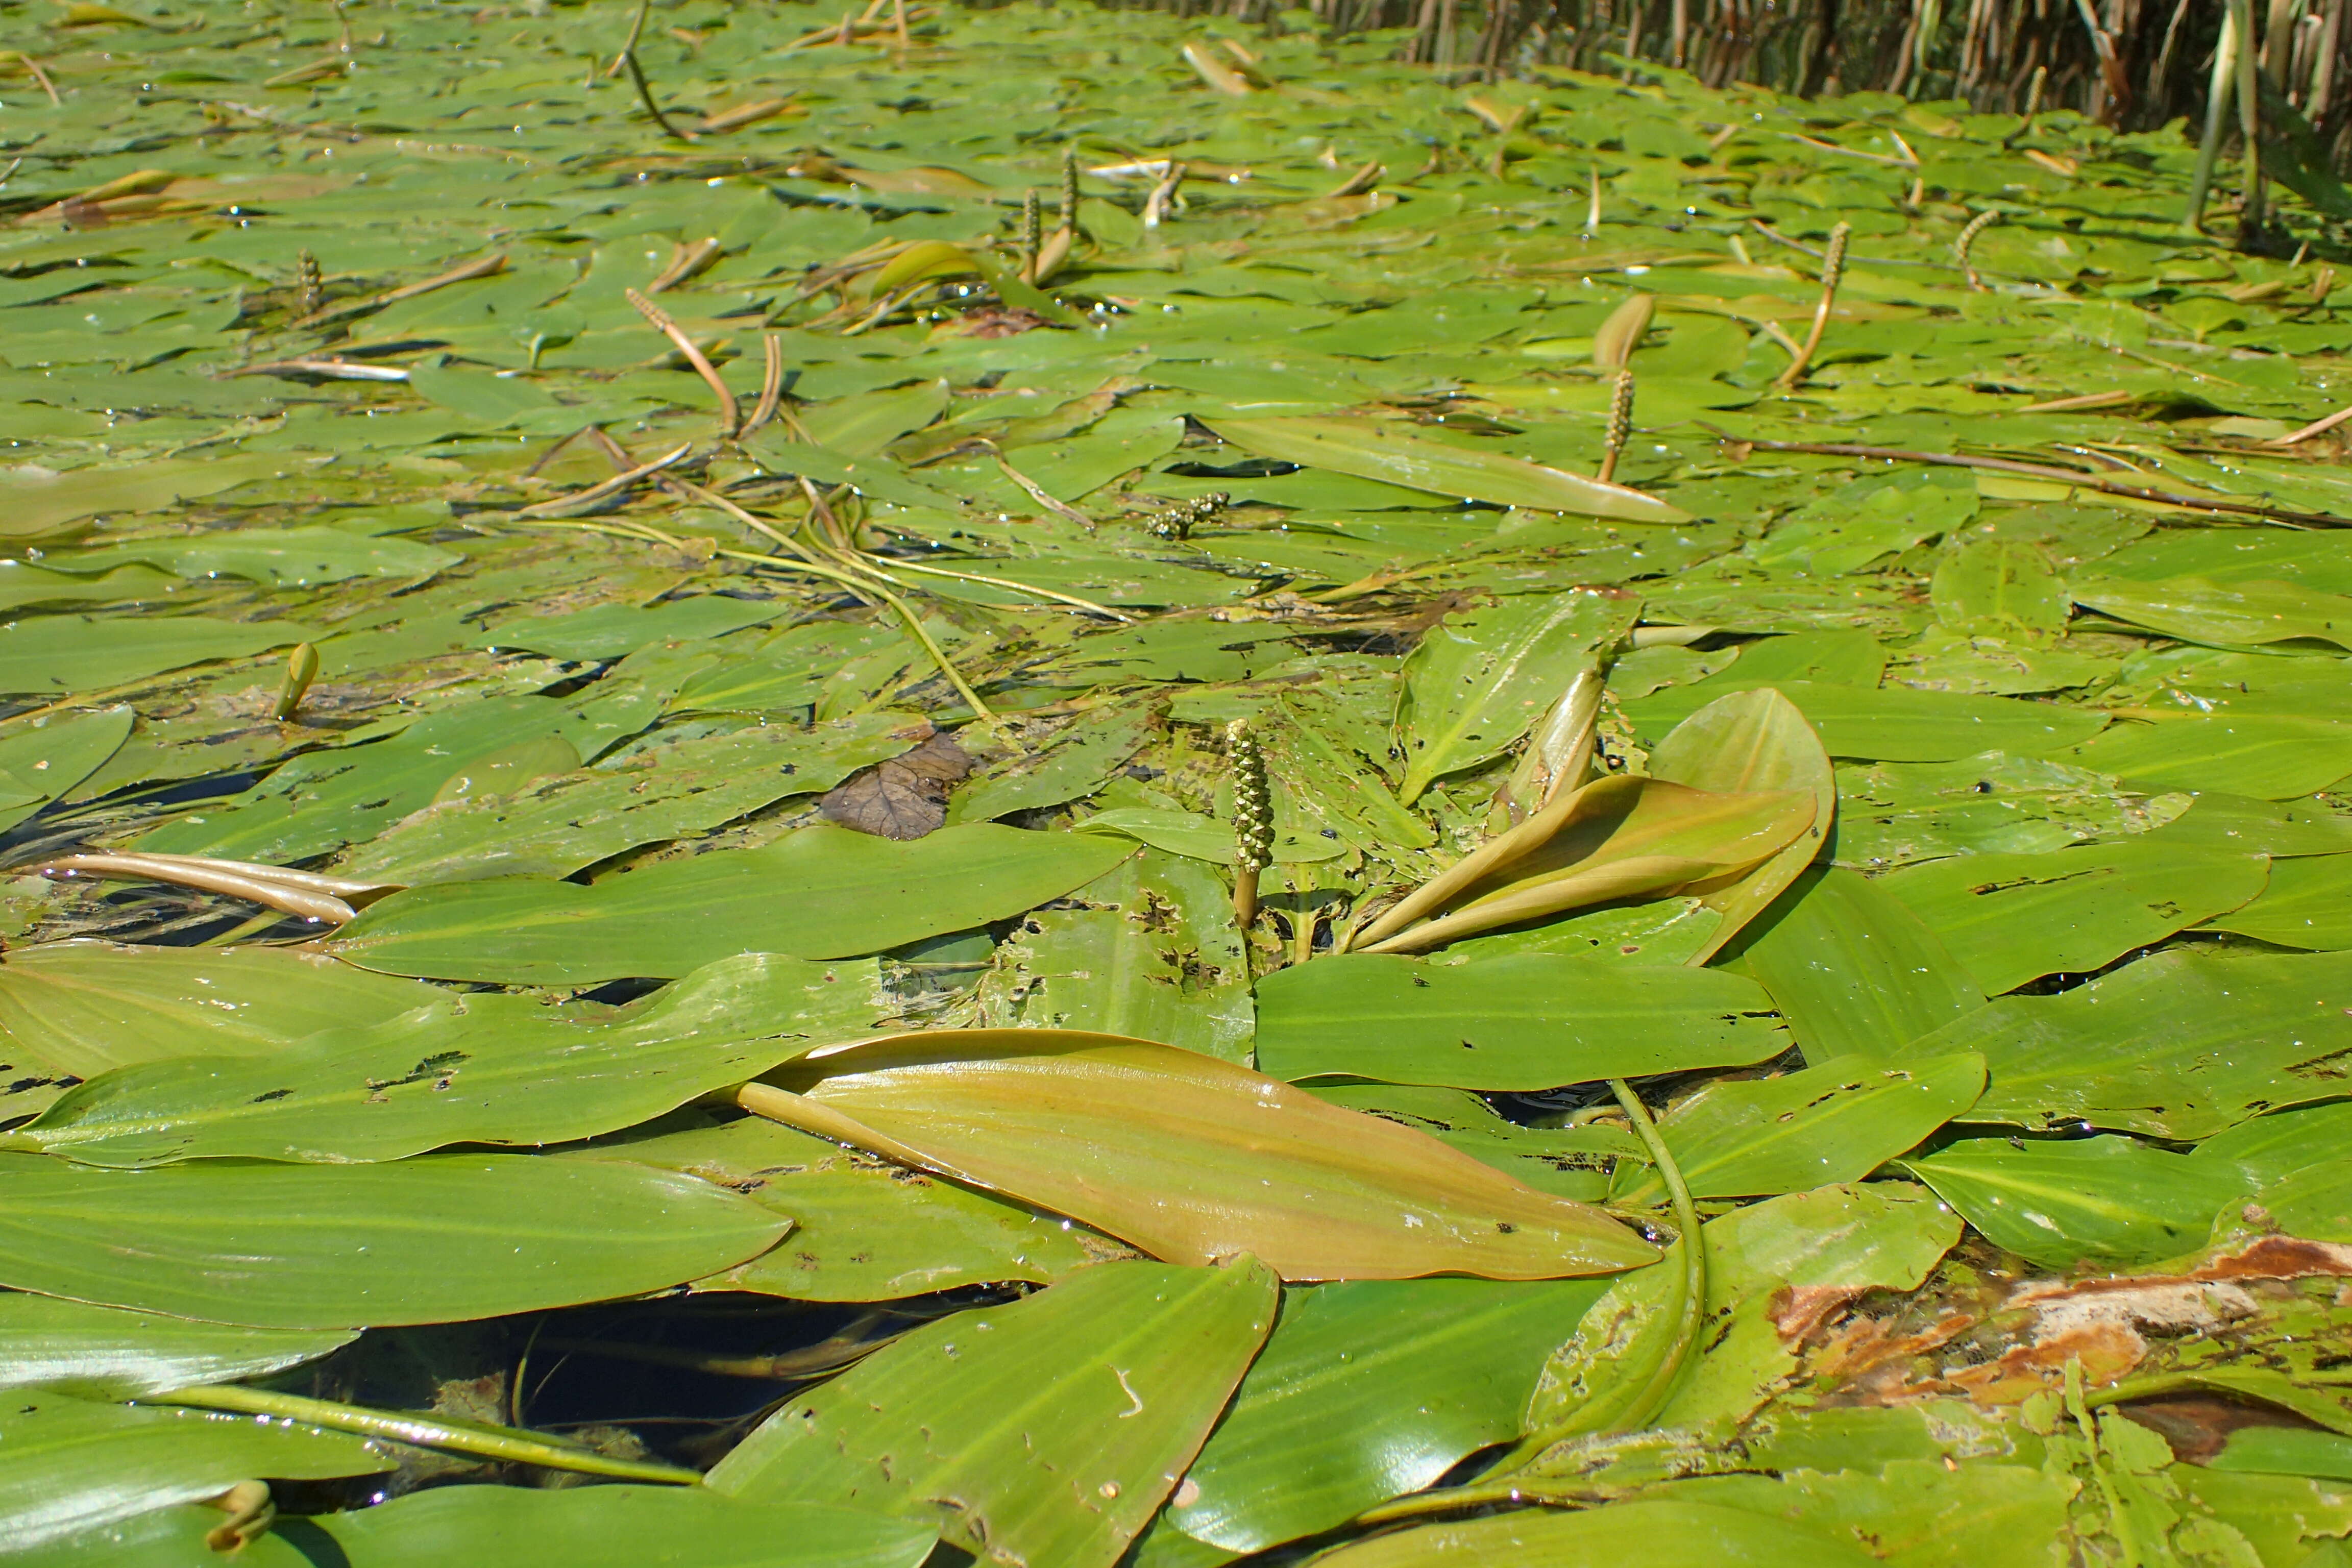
{"x":2217,"y":109}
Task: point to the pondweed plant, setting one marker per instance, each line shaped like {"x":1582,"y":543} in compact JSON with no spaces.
{"x":645,"y":709}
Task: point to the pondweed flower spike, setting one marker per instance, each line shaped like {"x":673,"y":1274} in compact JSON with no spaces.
{"x":1832,"y":273}
{"x":1029,"y":237}
{"x":1179,"y":521}
{"x":309,"y":290}
{"x":1621,"y":424}
{"x":1070,"y":191}
{"x":301,"y":668}
{"x":1976,"y":225}
{"x":1253,"y":818}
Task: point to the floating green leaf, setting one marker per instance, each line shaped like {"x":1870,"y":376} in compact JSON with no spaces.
{"x":1523,"y":1021}
{"x":2008,"y":918}
{"x":1834,"y":1122}
{"x":2057,"y":1202}
{"x":73,"y":1465}
{"x":492,"y":1070}
{"x":325,"y":1246}
{"x":1372,"y":450}
{"x":1367,"y":1391}
{"x":1093,"y":1397}
{"x":1853,"y":970}
{"x":1476,"y":686}
{"x":850,"y":893}
{"x":72,"y":1010}
{"x":104,"y":1352}
{"x":862,"y":1230}
{"x":1142,"y":1140}
{"x":2180,"y":1045}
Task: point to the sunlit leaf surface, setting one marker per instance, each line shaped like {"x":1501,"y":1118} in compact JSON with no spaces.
{"x":1086,"y":786}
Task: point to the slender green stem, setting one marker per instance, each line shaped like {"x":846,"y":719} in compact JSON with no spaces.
{"x":1616,"y":1409}
{"x":1669,"y":1375}
{"x":425,"y":1431}
{"x":646,"y":97}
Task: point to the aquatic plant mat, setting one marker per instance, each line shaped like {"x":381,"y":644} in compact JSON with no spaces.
{"x":1063,"y":788}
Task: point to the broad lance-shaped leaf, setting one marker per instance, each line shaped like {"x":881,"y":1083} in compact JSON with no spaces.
{"x":1046,"y":1431}
{"x":478,"y":1069}
{"x":72,"y":1010}
{"x":862,"y":1230}
{"x":2179,"y":1044}
{"x":1375,"y":449}
{"x":75,"y":1465}
{"x":2009,"y":918}
{"x":1369,"y":1390}
{"x":1854,"y":971}
{"x":2227,"y":613}
{"x":1516,"y":1021}
{"x":2270,"y":756}
{"x":2056,"y":1202}
{"x":429,"y":1240}
{"x":1753,"y":740}
{"x":1835,"y":1122}
{"x":1617,"y":837}
{"x":50,"y":656}
{"x":1474,"y":686}
{"x":820,"y":892}
{"x":1895,"y":723}
{"x":294,"y":557}
{"x":43,"y":760}
{"x":1664,"y":1531}
{"x":324,"y":800}
{"x":1190,"y":1158}
{"x":555,"y":825}
{"x":105,"y":1353}
{"x":610,"y":1526}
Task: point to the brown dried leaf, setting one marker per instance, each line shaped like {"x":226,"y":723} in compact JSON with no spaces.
{"x":905,"y":797}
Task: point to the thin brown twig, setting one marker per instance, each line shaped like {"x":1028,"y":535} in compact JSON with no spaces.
{"x":2046,"y":471}
{"x":772,"y":385}
{"x":2316,"y":427}
{"x":1036,"y":492}
{"x":599,"y":491}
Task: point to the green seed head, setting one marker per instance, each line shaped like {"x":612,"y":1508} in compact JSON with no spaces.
{"x":1834,"y":264}
{"x":1620,"y":410}
{"x":1253,"y":804}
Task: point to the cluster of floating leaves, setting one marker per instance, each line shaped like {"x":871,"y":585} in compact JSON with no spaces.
{"x":649,"y":843}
